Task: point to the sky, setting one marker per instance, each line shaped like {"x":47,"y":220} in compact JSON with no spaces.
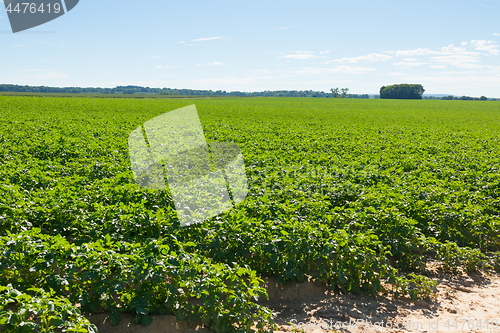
{"x":450,"y":47}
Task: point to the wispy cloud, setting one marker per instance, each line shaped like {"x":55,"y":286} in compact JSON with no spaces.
{"x":447,"y":55}
{"x":325,"y":52}
{"x":214,"y":63}
{"x":45,"y":43}
{"x":462,"y":80}
{"x":370,"y":58}
{"x":337,"y":69}
{"x":486,"y":45}
{"x":181,"y":42}
{"x":299,"y":55}
{"x":205,"y":39}
{"x":20,"y":45}
{"x":156,"y":57}
{"x":409,"y":62}
{"x":450,"y":49}
{"x":496,"y":34}
{"x":37,"y":70}
{"x":415,"y":52}
{"x":162,"y":66}
{"x":36,"y":74}
{"x":280,"y":28}
{"x":228,"y":80}
{"x":484,"y":5}
{"x":458,"y":60}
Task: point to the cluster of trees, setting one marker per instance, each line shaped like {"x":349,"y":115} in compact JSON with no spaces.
{"x":339,"y":93}
{"x":465,"y":98}
{"x":342,"y":93}
{"x":402,"y":91}
{"x":358,"y":96}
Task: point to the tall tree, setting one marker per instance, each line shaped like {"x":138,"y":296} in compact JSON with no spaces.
{"x":344,"y":92}
{"x":335,"y":92}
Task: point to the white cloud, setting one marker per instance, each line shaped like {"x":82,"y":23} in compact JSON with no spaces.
{"x":182,"y":42}
{"x":438,"y":66}
{"x":496,"y":34}
{"x":325,"y":52}
{"x":36,"y":70}
{"x":45,"y":43}
{"x":454,"y":81}
{"x":215,"y":63}
{"x":369,"y":57}
{"x":486,"y":45}
{"x":261,"y":71}
{"x":161,"y":67}
{"x":409,"y":62}
{"x":338,"y":69}
{"x":416,"y":52}
{"x":156,"y":57}
{"x":221,"y":82}
{"x":458,"y":60}
{"x":448,"y":55}
{"x":451,"y":49}
{"x":299,"y":56}
{"x":36,"y":75}
{"x":205,"y":39}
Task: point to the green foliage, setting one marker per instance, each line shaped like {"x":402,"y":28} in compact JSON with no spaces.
{"x":355,"y":193}
{"x":465,"y":98}
{"x":37,"y":311}
{"x":402,"y":91}
{"x":415,"y":286}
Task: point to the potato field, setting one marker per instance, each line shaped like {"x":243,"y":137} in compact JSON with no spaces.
{"x":359,"y":195}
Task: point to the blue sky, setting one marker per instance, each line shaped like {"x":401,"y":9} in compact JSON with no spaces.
{"x":450,"y":47}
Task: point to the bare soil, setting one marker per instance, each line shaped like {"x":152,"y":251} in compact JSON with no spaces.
{"x":463,"y":303}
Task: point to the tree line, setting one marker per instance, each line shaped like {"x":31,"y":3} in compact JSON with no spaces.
{"x":131,"y":90}
{"x":464,"y":98}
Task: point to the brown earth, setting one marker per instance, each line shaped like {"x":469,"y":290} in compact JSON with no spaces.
{"x":462,"y":304}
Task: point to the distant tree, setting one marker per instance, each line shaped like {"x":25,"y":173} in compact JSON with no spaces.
{"x":167,"y":92}
{"x":402,"y":91}
{"x":447,"y":98}
{"x":344,"y":92}
{"x":483,"y":98}
{"x":335,"y":92}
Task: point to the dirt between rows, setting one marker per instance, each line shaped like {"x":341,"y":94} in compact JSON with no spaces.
{"x":464,"y":303}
